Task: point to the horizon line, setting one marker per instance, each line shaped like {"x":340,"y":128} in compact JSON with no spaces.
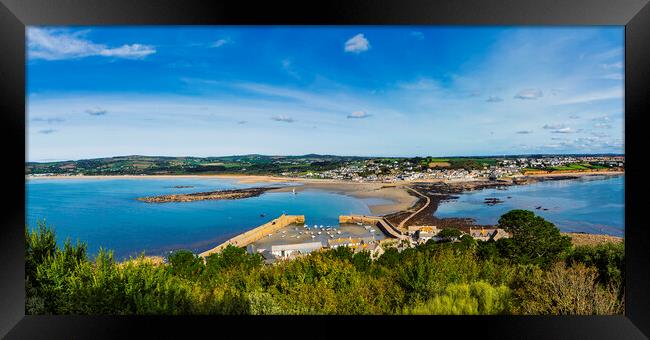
{"x":333,"y":155}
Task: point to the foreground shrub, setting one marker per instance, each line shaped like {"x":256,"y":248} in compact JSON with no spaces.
{"x":466,"y":299}
{"x":566,"y":290}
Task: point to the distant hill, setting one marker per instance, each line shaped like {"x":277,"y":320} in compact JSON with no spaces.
{"x":161,"y":165}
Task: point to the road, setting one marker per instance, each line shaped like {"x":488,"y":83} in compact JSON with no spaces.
{"x":401,"y":225}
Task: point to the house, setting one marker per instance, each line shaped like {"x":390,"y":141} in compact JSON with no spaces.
{"x":291,"y":250}
{"x":423,"y":233}
{"x":345,"y":242}
{"x":486,"y":234}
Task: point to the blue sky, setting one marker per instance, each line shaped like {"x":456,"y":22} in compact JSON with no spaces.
{"x":355,"y":90}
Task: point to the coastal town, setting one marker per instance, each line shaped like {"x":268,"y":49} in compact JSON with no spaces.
{"x":472,"y":169}
{"x":286,"y":238}
{"x":343,"y":168}
{"x":426,"y":181}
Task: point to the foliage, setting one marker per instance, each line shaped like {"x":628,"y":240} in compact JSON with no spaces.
{"x":449,"y":233}
{"x":534,"y":240}
{"x":607,"y":258}
{"x":185,"y":264}
{"x":466,"y":277}
{"x":466,"y":299}
{"x":566,"y":291}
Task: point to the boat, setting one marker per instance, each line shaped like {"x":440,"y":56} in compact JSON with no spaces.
{"x":338,"y":232}
{"x":321,"y":226}
{"x":359,"y":223}
{"x":367,"y":227}
{"x":372,"y":230}
{"x":331,"y":236}
{"x":293,"y":190}
{"x":262,"y":215}
{"x":312,"y":236}
{"x":306,"y":226}
{"x":319,"y":233}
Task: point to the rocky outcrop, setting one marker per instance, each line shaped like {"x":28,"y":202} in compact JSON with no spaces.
{"x":209,"y":195}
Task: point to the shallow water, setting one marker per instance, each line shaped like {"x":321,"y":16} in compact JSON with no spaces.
{"x":593,"y":204}
{"x":105,"y":212}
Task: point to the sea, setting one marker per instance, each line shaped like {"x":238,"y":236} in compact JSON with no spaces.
{"x":591,"y":204}
{"x":105,"y":212}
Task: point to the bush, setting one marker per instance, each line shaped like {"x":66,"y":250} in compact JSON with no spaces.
{"x":435,"y":278}
{"x":449,"y":233}
{"x":466,"y":299}
{"x":185,"y":264}
{"x":565,"y":291}
{"x":608,"y":258}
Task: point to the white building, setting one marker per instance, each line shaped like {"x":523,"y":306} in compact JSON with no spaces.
{"x":287,"y":250}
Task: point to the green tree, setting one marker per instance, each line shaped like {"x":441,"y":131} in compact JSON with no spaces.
{"x":534,"y":240}
{"x":608,"y":258}
{"x":185,"y":264}
{"x":449,"y":233}
{"x":362,"y":261}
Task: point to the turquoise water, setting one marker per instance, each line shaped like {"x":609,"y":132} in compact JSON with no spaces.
{"x":593,"y":204}
{"x":105,"y":212}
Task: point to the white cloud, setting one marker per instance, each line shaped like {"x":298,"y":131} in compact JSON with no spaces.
{"x":564,"y":130}
{"x":219,"y":43}
{"x":494,"y":99}
{"x":282,"y":118}
{"x":52,"y":44}
{"x":613,"y":76}
{"x":422,"y":84}
{"x":359,"y":114}
{"x":529,"y":94}
{"x":553,"y":126}
{"x":524,"y":132}
{"x":618,"y":65}
{"x":357,"y":44}
{"x":48,"y":120}
{"x":613,"y":93}
{"x":96,"y":112}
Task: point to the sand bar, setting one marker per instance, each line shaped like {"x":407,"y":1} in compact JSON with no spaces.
{"x":394,"y":192}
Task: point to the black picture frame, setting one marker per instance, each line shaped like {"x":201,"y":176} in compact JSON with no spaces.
{"x":16,"y":14}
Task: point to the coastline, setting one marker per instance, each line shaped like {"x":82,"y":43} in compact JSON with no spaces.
{"x":402,"y":201}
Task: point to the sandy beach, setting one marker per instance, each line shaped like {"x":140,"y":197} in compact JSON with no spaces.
{"x":394,"y":192}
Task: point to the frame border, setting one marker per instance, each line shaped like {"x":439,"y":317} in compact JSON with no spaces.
{"x":16,"y":14}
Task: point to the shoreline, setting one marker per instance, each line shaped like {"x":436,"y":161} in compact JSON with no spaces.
{"x":402,"y":203}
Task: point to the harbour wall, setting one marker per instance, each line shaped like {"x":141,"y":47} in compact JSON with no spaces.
{"x":246,"y":238}
{"x":379,"y":222}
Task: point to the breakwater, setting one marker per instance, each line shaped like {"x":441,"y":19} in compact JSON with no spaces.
{"x":246,"y":238}
{"x":385,"y":226}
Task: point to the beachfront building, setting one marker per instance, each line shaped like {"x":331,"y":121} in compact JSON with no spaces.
{"x":486,"y":234}
{"x":423,"y":233}
{"x":344,"y":242}
{"x":285,"y":251}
